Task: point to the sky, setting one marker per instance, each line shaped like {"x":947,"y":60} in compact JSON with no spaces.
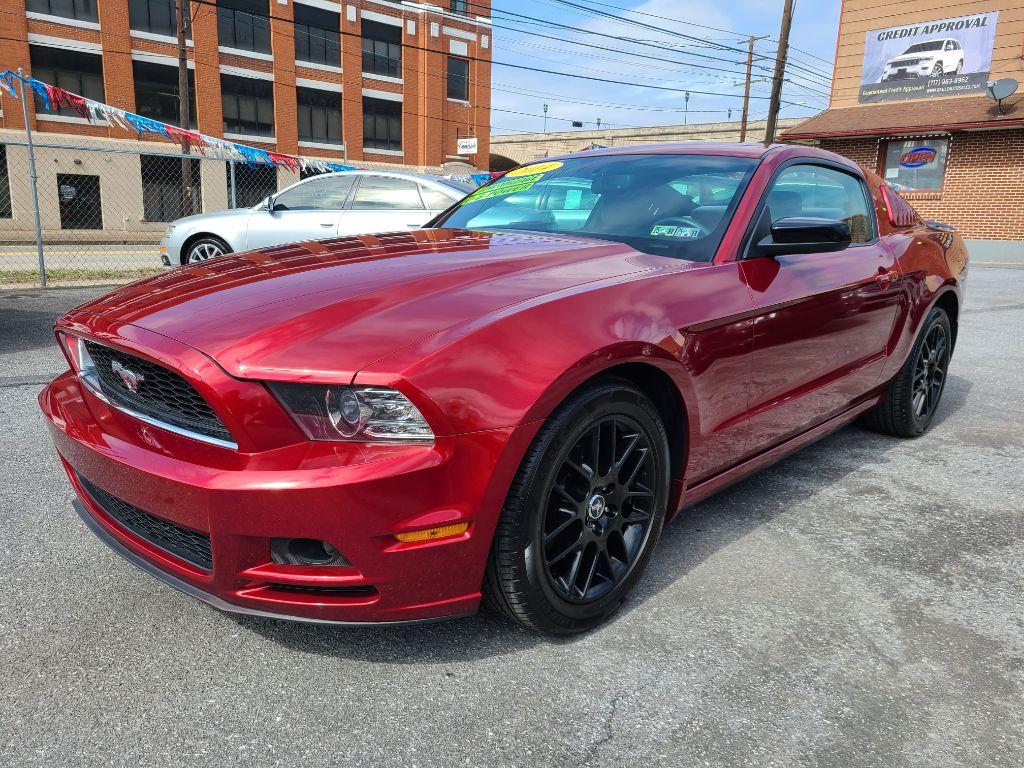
{"x":675,"y":45}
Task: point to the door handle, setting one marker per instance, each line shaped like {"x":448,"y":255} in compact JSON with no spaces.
{"x":326,"y":223}
{"x":885,"y":277}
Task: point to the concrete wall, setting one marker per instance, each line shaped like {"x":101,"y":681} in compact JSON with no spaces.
{"x":531,"y":146}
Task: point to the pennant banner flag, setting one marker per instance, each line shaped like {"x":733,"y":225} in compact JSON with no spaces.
{"x":54,"y":97}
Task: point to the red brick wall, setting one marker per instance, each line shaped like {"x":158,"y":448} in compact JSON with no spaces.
{"x":983,"y":189}
{"x":431,"y":123}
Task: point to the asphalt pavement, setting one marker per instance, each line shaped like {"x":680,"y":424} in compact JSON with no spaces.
{"x":859,"y":604}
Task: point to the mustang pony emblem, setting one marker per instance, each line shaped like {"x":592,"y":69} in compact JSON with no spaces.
{"x":131,"y":379}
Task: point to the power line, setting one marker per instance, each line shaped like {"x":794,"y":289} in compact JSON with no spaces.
{"x":523,"y":67}
{"x":659,"y":29}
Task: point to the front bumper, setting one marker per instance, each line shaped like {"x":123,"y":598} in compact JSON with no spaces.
{"x":353,"y":496}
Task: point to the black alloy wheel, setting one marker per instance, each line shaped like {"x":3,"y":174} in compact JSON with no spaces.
{"x":930,"y":366}
{"x":912,"y":397}
{"x":584,"y":511}
{"x":599,"y":510}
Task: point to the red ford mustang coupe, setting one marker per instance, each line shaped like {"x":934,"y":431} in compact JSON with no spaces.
{"x":507,"y":405}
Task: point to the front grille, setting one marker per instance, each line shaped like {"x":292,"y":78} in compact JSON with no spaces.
{"x":161,"y":394}
{"x":190,"y":545}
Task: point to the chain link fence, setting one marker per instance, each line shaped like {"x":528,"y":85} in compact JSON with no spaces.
{"x":104,"y":205}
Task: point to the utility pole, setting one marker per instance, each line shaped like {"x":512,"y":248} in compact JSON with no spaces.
{"x":746,"y":88}
{"x":184,"y":118}
{"x":780,"y":72}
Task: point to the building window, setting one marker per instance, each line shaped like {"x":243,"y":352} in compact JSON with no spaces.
{"x":162,"y":195}
{"x":80,"y":73}
{"x":382,"y":124}
{"x":156,"y":92}
{"x":158,"y":17}
{"x":80,"y":202}
{"x":317,"y":37}
{"x":459,"y":6}
{"x":252,"y":184}
{"x":319,"y":114}
{"x":458,"y":79}
{"x":917,"y":164}
{"x":248,"y":105}
{"x":244,"y":24}
{"x":5,"y":185}
{"x":80,"y":10}
{"x":382,"y":49}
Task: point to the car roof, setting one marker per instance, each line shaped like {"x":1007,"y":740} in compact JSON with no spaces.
{"x":410,"y":175}
{"x":751,"y":149}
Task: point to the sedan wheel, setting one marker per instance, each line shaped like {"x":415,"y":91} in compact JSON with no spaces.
{"x":584,"y":512}
{"x":205,"y":248}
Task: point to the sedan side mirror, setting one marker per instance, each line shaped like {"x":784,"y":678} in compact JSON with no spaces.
{"x":270,"y":203}
{"x":799,"y":234}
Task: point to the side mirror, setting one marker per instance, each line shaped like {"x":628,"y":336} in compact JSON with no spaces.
{"x":270,"y":203}
{"x":800,"y":234}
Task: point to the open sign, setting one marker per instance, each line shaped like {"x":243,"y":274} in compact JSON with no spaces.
{"x":917,"y":157}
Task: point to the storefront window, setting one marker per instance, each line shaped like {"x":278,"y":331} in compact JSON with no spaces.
{"x":916,"y":164}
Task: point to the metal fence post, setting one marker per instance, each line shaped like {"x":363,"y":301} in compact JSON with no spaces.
{"x":231,"y":170}
{"x":32,"y":180}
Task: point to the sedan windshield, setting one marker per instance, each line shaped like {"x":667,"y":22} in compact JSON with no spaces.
{"x":668,"y":205}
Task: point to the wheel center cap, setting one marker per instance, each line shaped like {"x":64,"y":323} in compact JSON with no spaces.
{"x":596,"y":507}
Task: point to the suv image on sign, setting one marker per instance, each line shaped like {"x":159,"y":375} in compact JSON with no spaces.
{"x":932,"y":58}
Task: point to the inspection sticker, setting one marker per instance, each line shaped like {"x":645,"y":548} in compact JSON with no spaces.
{"x":662,"y":230}
{"x":503,"y":187}
{"x":529,"y":170}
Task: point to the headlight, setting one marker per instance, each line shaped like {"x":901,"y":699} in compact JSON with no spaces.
{"x":363,"y":414}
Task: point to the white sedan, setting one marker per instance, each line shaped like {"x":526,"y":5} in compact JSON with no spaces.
{"x":328,"y":205}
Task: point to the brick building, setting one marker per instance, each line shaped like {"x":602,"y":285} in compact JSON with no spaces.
{"x":365,"y":81}
{"x":955,"y":153}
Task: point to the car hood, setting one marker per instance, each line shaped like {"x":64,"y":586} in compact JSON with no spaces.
{"x":206,"y":218}
{"x":911,"y":57}
{"x":322,"y":310}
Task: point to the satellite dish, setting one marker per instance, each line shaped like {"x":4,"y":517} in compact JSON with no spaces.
{"x":1001,"y":89}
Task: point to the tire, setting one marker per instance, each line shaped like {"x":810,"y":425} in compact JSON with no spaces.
{"x":937,"y":70}
{"x":206,"y":247}
{"x":613,"y":516}
{"x":902,"y":413}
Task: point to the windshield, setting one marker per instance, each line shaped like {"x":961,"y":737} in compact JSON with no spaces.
{"x":668,"y":205}
{"x":922,"y":47}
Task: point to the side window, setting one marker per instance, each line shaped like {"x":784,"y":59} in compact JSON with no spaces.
{"x":435,"y":199}
{"x":825,"y":193}
{"x":326,"y":193}
{"x":383,"y":193}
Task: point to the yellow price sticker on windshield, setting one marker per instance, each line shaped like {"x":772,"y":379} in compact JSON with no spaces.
{"x":502,"y":187}
{"x":529,"y":170}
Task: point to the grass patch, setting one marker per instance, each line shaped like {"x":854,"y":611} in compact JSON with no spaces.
{"x":21,"y":277}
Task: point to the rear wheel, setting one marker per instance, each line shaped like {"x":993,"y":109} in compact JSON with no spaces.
{"x":583,"y":514}
{"x":206,"y":247}
{"x":913,"y":395}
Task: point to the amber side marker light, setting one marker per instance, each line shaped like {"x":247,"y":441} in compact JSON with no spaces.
{"x":430,"y":534}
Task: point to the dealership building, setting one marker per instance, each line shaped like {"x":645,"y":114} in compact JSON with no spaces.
{"x":909,"y":102}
